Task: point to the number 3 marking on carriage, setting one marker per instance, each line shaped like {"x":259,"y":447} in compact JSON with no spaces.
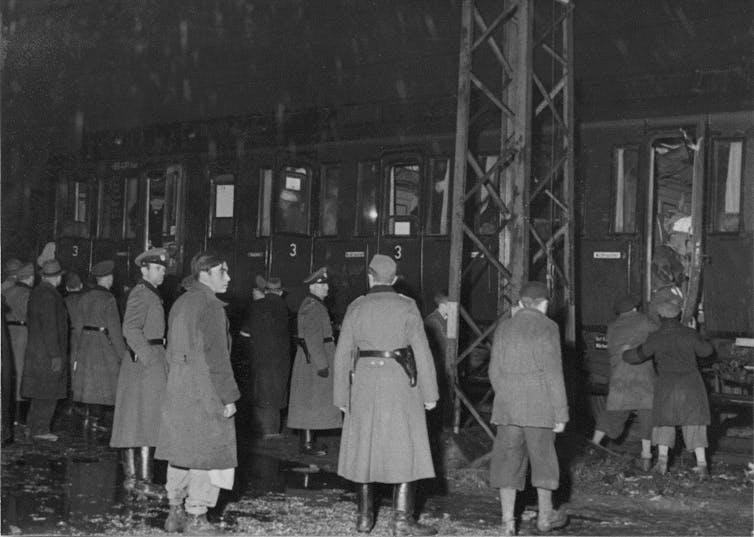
{"x":292,"y":251}
{"x":398,"y":251}
{"x":75,"y":250}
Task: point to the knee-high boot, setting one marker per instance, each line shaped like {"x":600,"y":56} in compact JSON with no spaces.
{"x":146,"y":474}
{"x":404,"y":495}
{"x":365,"y":501}
{"x":129,"y":468}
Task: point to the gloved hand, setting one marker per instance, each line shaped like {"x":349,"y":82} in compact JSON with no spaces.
{"x":324,"y":372}
{"x":56,"y":364}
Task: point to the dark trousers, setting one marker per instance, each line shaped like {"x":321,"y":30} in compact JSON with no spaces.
{"x":40,"y":415}
{"x":266,"y":420}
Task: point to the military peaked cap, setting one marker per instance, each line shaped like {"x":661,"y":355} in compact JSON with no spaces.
{"x":51,"y":267}
{"x":318,"y":276}
{"x":103,"y":268}
{"x":157,"y":256}
{"x":11,"y":266}
{"x":26,"y":270}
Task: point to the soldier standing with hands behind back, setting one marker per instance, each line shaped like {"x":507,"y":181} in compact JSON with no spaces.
{"x":384,"y":381}
{"x":142,"y":376}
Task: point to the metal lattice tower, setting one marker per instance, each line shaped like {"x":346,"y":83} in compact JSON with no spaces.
{"x":515,"y":84}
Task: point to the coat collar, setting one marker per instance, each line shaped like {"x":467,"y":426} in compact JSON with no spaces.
{"x":207,"y":292}
{"x":315,"y":297}
{"x":382,"y":288}
{"x":151,"y":287}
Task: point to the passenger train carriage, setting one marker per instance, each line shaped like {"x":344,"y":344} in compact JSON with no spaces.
{"x":663,"y":203}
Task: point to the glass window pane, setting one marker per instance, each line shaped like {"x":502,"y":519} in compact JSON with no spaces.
{"x":265,"y":201}
{"x":172,"y":196}
{"x":132,"y":207}
{"x":367,"y":199}
{"x":438,"y":199}
{"x":156,"y":222}
{"x":330,"y":188}
{"x":625,"y":166}
{"x":80,"y":201}
{"x":223,"y":197}
{"x":403,"y":182}
{"x":292,"y":211}
{"x":111,"y":208}
{"x":728,"y":165}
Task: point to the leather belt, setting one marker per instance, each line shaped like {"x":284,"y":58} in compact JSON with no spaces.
{"x":157,"y":341}
{"x":15,"y":323}
{"x":328,"y":339}
{"x":95,"y":328}
{"x":377,"y":354}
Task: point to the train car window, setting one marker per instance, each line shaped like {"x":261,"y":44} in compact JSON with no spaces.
{"x":625,"y":171}
{"x":438,"y":199}
{"x":265,"y":202}
{"x":111,"y":202}
{"x":366,"y":199}
{"x":331,"y":175}
{"x":132,"y":207}
{"x":163,"y":201}
{"x":223,"y":198}
{"x":75,"y":220}
{"x":726,"y":186}
{"x":80,"y":201}
{"x":292,"y":210}
{"x":403,"y":182}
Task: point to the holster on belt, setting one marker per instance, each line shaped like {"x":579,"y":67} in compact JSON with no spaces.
{"x":301,"y":342}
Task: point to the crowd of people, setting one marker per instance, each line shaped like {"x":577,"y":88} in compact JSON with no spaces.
{"x":170,"y":383}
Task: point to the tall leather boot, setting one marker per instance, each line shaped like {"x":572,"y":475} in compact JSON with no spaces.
{"x":308,"y":447}
{"x":129,"y":468}
{"x":365,"y":502}
{"x":146,"y":474}
{"x":403,"y":523}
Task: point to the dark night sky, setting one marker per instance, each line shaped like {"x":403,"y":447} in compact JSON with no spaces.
{"x":94,"y":64}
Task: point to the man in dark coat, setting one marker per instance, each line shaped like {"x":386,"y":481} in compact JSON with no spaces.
{"x":680,"y":396}
{"x":99,"y":346}
{"x":17,"y":300}
{"x":197,"y":430}
{"x":529,"y":408}
{"x":385,"y":436}
{"x":142,"y":376}
{"x":311,"y":406}
{"x":436,"y":326}
{"x":631,"y":386}
{"x":6,"y":378}
{"x":45,"y":376}
{"x":269,"y":352}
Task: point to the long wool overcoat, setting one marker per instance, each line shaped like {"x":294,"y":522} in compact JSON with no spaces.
{"x":526,"y":372}
{"x":631,"y":385}
{"x":311,"y":404}
{"x":269,"y":351}
{"x":72,"y":301}
{"x":385,"y":431}
{"x":17,"y":300}
{"x":141,"y":384}
{"x":193,"y":431}
{"x":96,"y":359}
{"x":48,"y":339}
{"x":680,"y":397}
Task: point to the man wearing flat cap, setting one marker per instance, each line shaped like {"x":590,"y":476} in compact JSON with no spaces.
{"x":631,"y":386}
{"x":267,"y":342}
{"x":311,"y":406}
{"x":385,"y":379}
{"x":680,"y":396}
{"x":17,"y":300}
{"x":530,"y":407}
{"x":45,"y":375}
{"x":142,"y":376}
{"x":100,"y":347}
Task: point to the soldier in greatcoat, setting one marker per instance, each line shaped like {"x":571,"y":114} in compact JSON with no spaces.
{"x":385,"y":436}
{"x":311,"y":404}
{"x":45,"y":376}
{"x":680,"y":396}
{"x":100,"y":348}
{"x":529,"y":408}
{"x":631,"y":386}
{"x":197,"y":428}
{"x":268,"y":339}
{"x":17,"y":300}
{"x":142,"y":376}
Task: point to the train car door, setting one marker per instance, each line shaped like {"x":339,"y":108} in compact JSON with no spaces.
{"x":728,"y":284}
{"x":402,"y":179}
{"x":346,"y":235}
{"x":74,"y":207}
{"x":222,"y":225}
{"x":435,"y":238}
{"x":291,"y":245}
{"x":674,"y":225}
